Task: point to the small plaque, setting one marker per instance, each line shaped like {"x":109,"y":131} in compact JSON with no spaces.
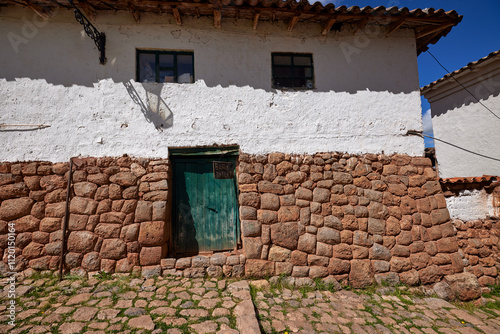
{"x":223,"y":170}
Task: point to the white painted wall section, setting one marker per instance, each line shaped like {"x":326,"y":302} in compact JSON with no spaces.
{"x":364,"y":102}
{"x":459,"y":119}
{"x":471,"y":205}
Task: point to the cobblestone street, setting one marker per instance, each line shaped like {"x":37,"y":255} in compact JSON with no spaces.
{"x":126,"y":304}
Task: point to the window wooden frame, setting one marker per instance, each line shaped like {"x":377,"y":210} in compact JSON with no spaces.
{"x":292,"y":66}
{"x":159,"y":68}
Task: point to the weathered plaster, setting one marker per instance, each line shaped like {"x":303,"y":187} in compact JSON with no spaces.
{"x":459,"y":119}
{"x":366,"y":95}
{"x":471,"y":205}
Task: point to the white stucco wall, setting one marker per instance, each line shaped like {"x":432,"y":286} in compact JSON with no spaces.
{"x":366,"y":95}
{"x":471,"y":205}
{"x":459,"y":119}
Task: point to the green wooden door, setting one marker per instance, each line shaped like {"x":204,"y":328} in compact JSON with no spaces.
{"x":205,"y":208}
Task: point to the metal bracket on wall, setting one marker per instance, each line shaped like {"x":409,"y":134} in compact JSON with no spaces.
{"x":99,"y":38}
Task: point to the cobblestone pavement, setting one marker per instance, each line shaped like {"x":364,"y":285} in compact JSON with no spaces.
{"x":127,"y":304}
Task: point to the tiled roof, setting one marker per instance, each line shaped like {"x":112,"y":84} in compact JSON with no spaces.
{"x":469,"y":66}
{"x":477,"y":179}
{"x":429,"y":24}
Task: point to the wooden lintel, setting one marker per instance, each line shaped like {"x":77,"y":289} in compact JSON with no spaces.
{"x":429,"y":31}
{"x":255,"y":21}
{"x":293,"y":22}
{"x":177,"y":16}
{"x":87,"y":9}
{"x":394,"y":26}
{"x":217,"y":18}
{"x":361,"y":25}
{"x":135,"y":13}
{"x":329,"y":24}
{"x":40,"y":11}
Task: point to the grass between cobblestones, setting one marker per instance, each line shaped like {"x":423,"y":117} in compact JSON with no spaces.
{"x":281,"y":307}
{"x":378,"y":309}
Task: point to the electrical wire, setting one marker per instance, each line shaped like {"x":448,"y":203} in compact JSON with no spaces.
{"x":456,"y":146}
{"x":468,"y":91}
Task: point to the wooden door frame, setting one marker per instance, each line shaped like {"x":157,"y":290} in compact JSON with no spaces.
{"x":201,"y":152}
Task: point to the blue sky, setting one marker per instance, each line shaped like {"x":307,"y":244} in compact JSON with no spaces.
{"x":475,"y":37}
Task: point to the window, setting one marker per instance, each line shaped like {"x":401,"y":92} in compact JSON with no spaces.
{"x":293,"y":70}
{"x":165,"y":66}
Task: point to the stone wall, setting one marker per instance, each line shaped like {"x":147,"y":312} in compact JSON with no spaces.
{"x":358,"y":218}
{"x":119,"y":214}
{"x":479,"y":240}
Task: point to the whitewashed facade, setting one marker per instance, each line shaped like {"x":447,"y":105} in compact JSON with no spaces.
{"x":366,"y":95}
{"x":458,"y":118}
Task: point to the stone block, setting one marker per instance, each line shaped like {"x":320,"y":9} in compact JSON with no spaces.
{"x":307,"y":243}
{"x":152,"y":233}
{"x":288,"y":214}
{"x":267,"y":217}
{"x":328,"y":235}
{"x":269,"y":201}
{"x":252,"y":247}
{"x":270,"y":187}
{"x":285,"y":235}
{"x":114,"y":249}
{"x":250,"y":199}
{"x":338,"y":266}
{"x":279,"y":254}
{"x":259,"y":268}
{"x":11,"y":209}
{"x":248,"y":213}
{"x":81,"y":241}
{"x":342,"y":251}
{"x":251,"y":228}
{"x":361,"y":273}
{"x":151,"y":255}
{"x":83,"y":206}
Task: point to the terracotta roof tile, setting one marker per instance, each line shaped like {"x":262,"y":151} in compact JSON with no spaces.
{"x":429,"y":24}
{"x":469,"y":66}
{"x":477,"y":179}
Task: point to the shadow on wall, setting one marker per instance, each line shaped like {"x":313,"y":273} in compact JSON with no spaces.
{"x":155,"y":109}
{"x":487,"y":88}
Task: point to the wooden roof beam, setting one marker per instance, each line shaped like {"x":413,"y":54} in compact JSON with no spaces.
{"x":217,"y":18}
{"x":293,"y":22}
{"x":394,"y":26}
{"x":255,"y":21}
{"x":40,"y":11}
{"x":424,"y":41}
{"x":329,"y":24}
{"x":361,"y":25}
{"x":177,"y":16}
{"x":135,"y":13}
{"x":87,"y":9}
{"x":432,"y":30}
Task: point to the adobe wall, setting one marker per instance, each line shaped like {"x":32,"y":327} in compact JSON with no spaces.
{"x":357,"y":218}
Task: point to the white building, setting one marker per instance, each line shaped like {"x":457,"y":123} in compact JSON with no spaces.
{"x":356,"y":89}
{"x":465,"y":108}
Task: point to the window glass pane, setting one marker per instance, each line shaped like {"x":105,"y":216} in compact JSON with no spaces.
{"x":166,"y":60}
{"x":167,"y":76}
{"x":282,"y":60}
{"x":299,"y":72}
{"x":284,"y":83}
{"x":299,"y":83}
{"x":147,"y":67}
{"x":302,"y":60}
{"x":185,"y":69}
{"x":283,"y":72}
